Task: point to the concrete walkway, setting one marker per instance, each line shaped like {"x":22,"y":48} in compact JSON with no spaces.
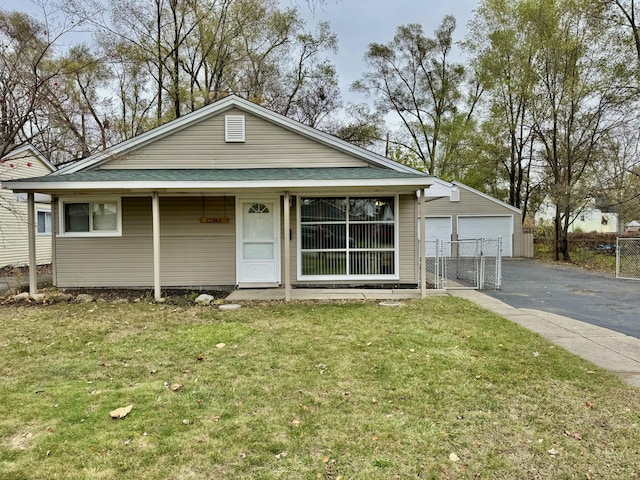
{"x":613,"y":351}
{"x":328,"y":294}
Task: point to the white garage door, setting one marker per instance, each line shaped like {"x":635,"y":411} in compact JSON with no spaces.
{"x":488,"y":227}
{"x":438,"y":228}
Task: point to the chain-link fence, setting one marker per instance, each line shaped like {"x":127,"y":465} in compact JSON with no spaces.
{"x":464,"y":264}
{"x":628,"y":258}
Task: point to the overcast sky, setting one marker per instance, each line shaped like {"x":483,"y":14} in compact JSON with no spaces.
{"x":358,"y":23}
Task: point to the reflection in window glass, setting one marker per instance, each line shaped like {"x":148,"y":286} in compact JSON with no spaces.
{"x":105,"y":216}
{"x":76,"y":217}
{"x":349,"y":236}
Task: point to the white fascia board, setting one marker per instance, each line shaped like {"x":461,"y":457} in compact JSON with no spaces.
{"x":242,"y":104}
{"x":439,"y":189}
{"x":143,"y":185}
{"x":488,"y":197}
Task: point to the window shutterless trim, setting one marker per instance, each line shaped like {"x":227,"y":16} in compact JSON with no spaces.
{"x":45,"y":233}
{"x":348,"y":250}
{"x":90,"y":201}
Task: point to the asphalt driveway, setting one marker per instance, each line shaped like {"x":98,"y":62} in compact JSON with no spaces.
{"x":596,"y":298}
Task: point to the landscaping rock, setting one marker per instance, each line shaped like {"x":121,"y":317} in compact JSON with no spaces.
{"x":84,"y":298}
{"x":39,"y":297}
{"x":63,"y":297}
{"x":229,"y":306}
{"x":204,"y":299}
{"x":22,"y":297}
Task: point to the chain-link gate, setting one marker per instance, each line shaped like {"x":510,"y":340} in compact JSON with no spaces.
{"x":464,"y":264}
{"x":628,"y":258}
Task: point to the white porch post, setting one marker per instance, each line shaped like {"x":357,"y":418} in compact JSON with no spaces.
{"x":31,"y":229}
{"x":423,"y":246}
{"x":54,"y":231}
{"x":155,"y":215}
{"x":287,"y":246}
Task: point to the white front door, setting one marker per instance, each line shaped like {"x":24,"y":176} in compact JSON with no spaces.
{"x":258,"y":245}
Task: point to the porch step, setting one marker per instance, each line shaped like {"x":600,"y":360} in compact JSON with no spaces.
{"x":259,"y":285}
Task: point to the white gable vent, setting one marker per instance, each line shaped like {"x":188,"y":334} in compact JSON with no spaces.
{"x":454,"y":196}
{"x":234,"y":128}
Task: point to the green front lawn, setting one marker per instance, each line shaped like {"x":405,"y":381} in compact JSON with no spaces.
{"x":437,"y":388}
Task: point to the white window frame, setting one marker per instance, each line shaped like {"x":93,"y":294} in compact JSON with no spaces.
{"x":396,"y":241}
{"x":91,"y":233}
{"x":45,"y":233}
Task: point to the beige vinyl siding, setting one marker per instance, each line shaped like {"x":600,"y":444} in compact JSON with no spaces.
{"x":202,"y":145}
{"x":192,"y":253}
{"x":408,"y":239}
{"x":472,"y":204}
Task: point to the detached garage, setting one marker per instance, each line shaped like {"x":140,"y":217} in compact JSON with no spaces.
{"x":469,"y":214}
{"x":488,"y":226}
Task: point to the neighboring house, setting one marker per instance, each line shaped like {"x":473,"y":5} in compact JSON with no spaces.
{"x":23,"y":162}
{"x":589,"y":219}
{"x":632,"y":227}
{"x":467,"y":214}
{"x":233,"y":195}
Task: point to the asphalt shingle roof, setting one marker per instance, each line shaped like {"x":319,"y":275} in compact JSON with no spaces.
{"x":225,"y":175}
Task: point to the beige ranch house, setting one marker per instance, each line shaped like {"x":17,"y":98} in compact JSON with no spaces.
{"x":233,"y":195}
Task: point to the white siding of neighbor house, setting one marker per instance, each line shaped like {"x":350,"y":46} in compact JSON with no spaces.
{"x":203,"y":145}
{"x":14,"y":240}
{"x":473,"y":204}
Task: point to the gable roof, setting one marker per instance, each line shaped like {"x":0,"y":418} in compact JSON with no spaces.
{"x":28,"y":148}
{"x":220,"y":106}
{"x":488,"y":197}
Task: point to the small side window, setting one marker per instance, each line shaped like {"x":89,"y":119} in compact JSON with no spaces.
{"x":99,"y":217}
{"x":44,"y":222}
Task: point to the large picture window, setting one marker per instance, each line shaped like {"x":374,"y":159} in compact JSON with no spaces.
{"x":96,"y":217}
{"x":347,"y":237}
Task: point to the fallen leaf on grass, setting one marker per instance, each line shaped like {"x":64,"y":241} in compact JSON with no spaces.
{"x":577,"y":436}
{"x":588,"y":404}
{"x":121,"y":412}
{"x":453,"y":457}
{"x":553,"y":452}
{"x":216,"y":418}
{"x":200,"y":357}
{"x":175,"y":387}
{"x":221,"y":345}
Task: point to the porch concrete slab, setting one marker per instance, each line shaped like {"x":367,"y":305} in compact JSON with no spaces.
{"x":328,"y":294}
{"x":613,"y":351}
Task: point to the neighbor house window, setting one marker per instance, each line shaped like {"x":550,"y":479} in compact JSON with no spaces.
{"x":44,"y":222}
{"x":349,"y":237}
{"x":96,"y":217}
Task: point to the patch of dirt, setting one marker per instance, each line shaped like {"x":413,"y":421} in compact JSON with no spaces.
{"x":20,"y":441}
{"x":176,"y":296}
{"x":23,"y":270}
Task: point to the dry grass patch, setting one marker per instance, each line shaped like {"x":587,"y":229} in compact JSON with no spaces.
{"x":435,"y":389}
